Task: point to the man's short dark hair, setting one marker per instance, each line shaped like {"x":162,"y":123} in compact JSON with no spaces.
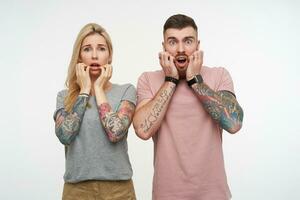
{"x":179,"y":21}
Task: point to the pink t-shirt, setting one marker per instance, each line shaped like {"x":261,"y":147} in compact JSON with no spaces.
{"x":188,"y":156}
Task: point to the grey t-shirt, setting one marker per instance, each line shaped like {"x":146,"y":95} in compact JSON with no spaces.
{"x":91,"y":156}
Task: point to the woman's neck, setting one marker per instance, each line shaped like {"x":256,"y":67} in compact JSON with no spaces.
{"x":107,"y":87}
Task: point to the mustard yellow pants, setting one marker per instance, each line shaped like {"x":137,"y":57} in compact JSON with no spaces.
{"x":99,"y":190}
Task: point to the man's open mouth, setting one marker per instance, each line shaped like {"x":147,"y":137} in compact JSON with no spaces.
{"x":181,"y":60}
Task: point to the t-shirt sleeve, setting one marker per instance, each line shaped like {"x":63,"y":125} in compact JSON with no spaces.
{"x":226,"y":82}
{"x":143,"y":88}
{"x":59,"y":102}
{"x":130,"y":94}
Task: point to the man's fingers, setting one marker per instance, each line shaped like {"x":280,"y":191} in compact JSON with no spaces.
{"x":201,"y":54}
{"x":166,"y":59}
{"x":172,"y":63}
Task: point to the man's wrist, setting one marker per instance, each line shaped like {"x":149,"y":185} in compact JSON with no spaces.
{"x":172,"y":79}
{"x":195,"y":79}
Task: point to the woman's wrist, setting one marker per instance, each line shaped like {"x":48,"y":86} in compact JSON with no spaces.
{"x":85,"y":91}
{"x":98,"y":89}
{"x":100,"y":96}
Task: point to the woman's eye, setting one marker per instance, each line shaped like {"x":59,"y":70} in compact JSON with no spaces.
{"x":102,"y":49}
{"x":87,"y":49}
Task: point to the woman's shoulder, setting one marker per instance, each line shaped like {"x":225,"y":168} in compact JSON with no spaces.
{"x":62,"y":93}
{"x":126,"y":89}
{"x":124,"y":86}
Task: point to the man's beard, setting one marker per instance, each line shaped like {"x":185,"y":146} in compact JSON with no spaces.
{"x":181,"y":62}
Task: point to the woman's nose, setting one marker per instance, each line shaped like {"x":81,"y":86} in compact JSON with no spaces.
{"x":94,"y":54}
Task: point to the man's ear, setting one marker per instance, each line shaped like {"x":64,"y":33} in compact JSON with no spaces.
{"x":198,"y":45}
{"x":163,"y":46}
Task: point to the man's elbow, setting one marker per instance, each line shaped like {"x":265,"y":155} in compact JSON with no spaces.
{"x":234,"y":129}
{"x":233,"y":125}
{"x":141,"y":134}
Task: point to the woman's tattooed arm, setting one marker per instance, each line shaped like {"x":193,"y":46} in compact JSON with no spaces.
{"x":67,"y":125}
{"x":116,"y":124}
{"x":222,"y":107}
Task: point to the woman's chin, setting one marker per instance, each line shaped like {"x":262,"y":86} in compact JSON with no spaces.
{"x":95,"y":74}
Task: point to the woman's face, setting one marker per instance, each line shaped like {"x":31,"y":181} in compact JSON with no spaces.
{"x":94,"y":53}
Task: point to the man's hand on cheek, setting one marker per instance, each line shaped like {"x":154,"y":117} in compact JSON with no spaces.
{"x":166,"y":61}
{"x":195,"y":64}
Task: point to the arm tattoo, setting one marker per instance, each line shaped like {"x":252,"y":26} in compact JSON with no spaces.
{"x":67,"y":125}
{"x":222,"y":107}
{"x":156,"y":109}
{"x":116,"y":124}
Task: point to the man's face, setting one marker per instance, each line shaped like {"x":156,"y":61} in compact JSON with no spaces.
{"x":181,"y":43}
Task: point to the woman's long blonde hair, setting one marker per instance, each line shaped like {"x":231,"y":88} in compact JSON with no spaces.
{"x":73,"y":87}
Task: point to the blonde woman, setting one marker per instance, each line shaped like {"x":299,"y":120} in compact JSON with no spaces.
{"x":92,"y":118}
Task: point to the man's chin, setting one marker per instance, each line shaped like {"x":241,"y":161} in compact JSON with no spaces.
{"x":181,"y":68}
{"x":181,"y":71}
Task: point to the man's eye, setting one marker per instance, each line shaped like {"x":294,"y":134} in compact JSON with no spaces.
{"x":172,"y":42}
{"x":188,"y":41}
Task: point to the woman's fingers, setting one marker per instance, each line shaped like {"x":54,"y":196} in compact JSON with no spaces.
{"x":109,"y":71}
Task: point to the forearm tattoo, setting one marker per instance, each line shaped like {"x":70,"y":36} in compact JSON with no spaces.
{"x":67,"y":125}
{"x":157,"y":108}
{"x":222,"y":107}
{"x":116,"y":124}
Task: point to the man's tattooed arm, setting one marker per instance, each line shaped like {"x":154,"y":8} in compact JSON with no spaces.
{"x":150,"y":113}
{"x":116,"y":124}
{"x":67,"y":125}
{"x":222,"y":107}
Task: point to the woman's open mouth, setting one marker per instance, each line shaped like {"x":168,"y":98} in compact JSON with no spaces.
{"x":95,"y":66}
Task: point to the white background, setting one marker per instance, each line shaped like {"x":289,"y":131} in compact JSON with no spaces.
{"x":257,"y":41}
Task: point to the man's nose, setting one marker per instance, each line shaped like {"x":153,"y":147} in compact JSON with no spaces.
{"x":180,"y":47}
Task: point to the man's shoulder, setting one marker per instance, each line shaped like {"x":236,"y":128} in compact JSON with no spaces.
{"x":152,"y":75}
{"x":214,"y":73}
{"x":212,"y":70}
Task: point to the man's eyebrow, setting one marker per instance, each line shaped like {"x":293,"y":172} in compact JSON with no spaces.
{"x":171,"y":38}
{"x":189,"y":37}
